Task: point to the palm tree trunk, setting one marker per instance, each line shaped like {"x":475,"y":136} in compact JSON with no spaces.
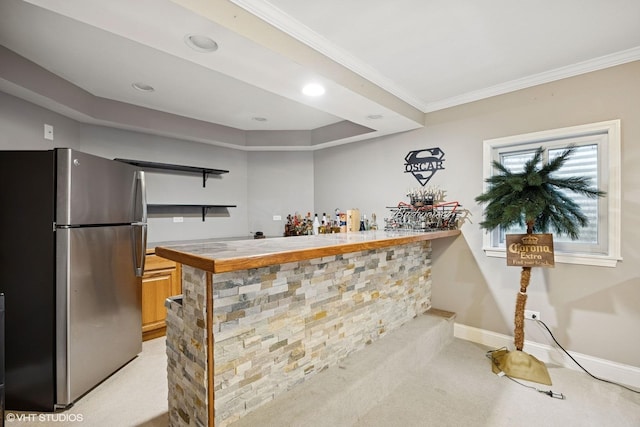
{"x":521,"y":300}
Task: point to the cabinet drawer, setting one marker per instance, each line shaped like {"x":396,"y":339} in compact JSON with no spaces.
{"x":154,"y":262}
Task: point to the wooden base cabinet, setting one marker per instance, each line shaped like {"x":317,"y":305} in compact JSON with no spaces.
{"x":162,"y":278}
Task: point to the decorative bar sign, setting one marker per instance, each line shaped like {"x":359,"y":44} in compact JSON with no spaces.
{"x":530,"y":250}
{"x":423,"y":164}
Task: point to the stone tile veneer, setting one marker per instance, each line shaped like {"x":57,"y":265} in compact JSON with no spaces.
{"x":186,"y":351}
{"x":276,"y":326}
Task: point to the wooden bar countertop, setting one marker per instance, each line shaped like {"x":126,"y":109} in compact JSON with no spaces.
{"x":217,"y":256}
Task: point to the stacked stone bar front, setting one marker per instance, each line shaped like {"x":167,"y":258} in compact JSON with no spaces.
{"x":186,"y":351}
{"x":278,"y":325}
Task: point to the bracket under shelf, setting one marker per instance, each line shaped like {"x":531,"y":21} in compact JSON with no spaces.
{"x":205,"y":208}
{"x":173,"y":167}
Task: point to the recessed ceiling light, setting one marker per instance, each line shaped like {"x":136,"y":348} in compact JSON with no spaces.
{"x":200,"y":43}
{"x":313,"y":89}
{"x":375,"y":116}
{"x":259,"y":119}
{"x":142,"y":87}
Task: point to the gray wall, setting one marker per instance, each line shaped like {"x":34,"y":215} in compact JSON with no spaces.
{"x":591,"y":310}
{"x":22,"y":126}
{"x":280,"y":183}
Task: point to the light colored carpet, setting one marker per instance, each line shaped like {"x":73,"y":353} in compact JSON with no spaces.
{"x":136,"y":395}
{"x":456,"y":389}
{"x":459,"y":389}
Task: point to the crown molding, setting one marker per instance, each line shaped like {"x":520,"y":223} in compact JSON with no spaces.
{"x":583,"y":67}
{"x":284,"y":22}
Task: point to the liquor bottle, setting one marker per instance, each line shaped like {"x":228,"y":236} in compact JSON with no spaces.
{"x":316,"y":224}
{"x":374,"y":224}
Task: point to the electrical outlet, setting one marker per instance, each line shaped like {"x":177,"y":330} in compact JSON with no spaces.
{"x":277,"y":218}
{"x":532,"y":315}
{"x":178,"y":219}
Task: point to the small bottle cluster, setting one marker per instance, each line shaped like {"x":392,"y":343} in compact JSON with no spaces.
{"x":339,"y":222}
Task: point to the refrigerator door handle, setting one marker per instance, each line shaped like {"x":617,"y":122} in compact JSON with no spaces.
{"x":141,"y":190}
{"x":139,"y":246}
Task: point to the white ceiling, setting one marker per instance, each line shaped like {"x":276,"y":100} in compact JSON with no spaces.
{"x":397,"y":59}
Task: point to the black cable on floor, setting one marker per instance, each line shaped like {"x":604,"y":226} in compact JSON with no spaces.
{"x":576,"y":362}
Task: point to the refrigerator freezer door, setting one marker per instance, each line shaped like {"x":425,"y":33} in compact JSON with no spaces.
{"x":98,"y":318}
{"x":94,"y":190}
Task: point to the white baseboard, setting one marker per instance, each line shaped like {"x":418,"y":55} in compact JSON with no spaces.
{"x":601,"y":368}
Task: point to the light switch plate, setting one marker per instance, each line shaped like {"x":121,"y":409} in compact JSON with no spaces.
{"x":48,"y":132}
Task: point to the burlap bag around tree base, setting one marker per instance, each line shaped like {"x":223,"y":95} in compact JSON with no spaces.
{"x":521,"y":365}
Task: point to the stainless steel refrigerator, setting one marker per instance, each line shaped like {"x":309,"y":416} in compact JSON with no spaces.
{"x":72,"y":244}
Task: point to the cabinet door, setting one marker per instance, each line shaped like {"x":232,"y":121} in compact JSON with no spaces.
{"x":156,"y":287}
{"x":162,"y":279}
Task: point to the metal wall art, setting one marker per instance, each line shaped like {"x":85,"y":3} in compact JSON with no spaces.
{"x":423,"y":164}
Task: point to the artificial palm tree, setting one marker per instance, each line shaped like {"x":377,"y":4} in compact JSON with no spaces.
{"x":538,"y":200}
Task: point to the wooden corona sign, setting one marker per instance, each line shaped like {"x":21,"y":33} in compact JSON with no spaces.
{"x":530,"y":250}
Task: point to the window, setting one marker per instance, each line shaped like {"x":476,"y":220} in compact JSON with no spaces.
{"x":596,"y":155}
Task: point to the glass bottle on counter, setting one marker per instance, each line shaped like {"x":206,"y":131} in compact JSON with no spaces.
{"x":374,"y":224}
{"x":316,"y":224}
{"x":324,"y":225}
